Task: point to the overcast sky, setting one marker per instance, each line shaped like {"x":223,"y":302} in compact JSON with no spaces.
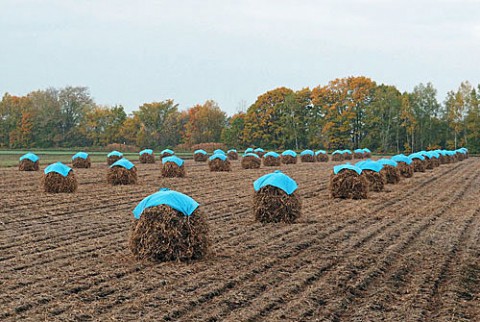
{"x":132,"y":52}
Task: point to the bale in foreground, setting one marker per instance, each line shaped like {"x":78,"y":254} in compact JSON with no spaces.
{"x":251,"y":161}
{"x":173,"y":167}
{"x":59,"y":178}
{"x":275,"y":199}
{"x":29,"y":162}
{"x":169,"y":226}
{"x":347,"y":183}
{"x":418,"y":165}
{"x":390,"y":171}
{"x":371,"y":170}
{"x":404,"y":165}
{"x":218,"y":163}
{"x":122,"y":172}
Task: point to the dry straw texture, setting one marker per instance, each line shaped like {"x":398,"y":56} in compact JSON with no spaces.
{"x":391,"y":174}
{"x":322,"y":157}
{"x":112,"y":159}
{"x":173,"y":170}
{"x":271,"y":204}
{"x":56,"y":183}
{"x":147,"y":158}
{"x":81,"y":163}
{"x":376,"y":181}
{"x":307,"y":158}
{"x":232,"y":155}
{"x":270,"y":161}
{"x":251,"y":162}
{"x":28,"y":165}
{"x":219,"y":165}
{"x":348,"y":184}
{"x":288,"y":159}
{"x":122,"y":176}
{"x":406,"y":170}
{"x":199,"y":157}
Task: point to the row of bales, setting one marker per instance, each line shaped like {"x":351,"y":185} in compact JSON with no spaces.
{"x":355,"y":181}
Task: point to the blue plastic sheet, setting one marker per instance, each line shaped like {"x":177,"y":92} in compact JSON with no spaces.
{"x":320,"y":152}
{"x":232,"y":150}
{"x":30,"y":156}
{"x":174,"y":199}
{"x":173,"y":159}
{"x":426,"y":154}
{"x":258,"y":150}
{"x":307,"y":152}
{"x":115,"y":153}
{"x":276,"y":179}
{"x":59,"y":168}
{"x":290,"y":152}
{"x":462,"y":151}
{"x":167,"y":151}
{"x":367,"y":150}
{"x":416,"y":156}
{"x":124,"y":163}
{"x":81,"y":155}
{"x":337,"y":152}
{"x":222,"y":157}
{"x":391,"y":162}
{"x":340,"y":167}
{"x":358,"y":151}
{"x":250,"y":155}
{"x":369,"y":165}
{"x":147,"y":151}
{"x":402,"y":158}
{"x":346,"y":151}
{"x":200,"y":152}
{"x":249,"y":150}
{"x":219,"y":151}
{"x":271,"y":154}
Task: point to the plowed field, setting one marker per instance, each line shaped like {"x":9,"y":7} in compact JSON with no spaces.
{"x":411,"y":253}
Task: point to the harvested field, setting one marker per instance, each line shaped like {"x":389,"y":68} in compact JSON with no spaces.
{"x":411,"y":253}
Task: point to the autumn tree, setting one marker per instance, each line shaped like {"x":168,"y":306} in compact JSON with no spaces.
{"x":232,"y":133}
{"x":205,"y":123}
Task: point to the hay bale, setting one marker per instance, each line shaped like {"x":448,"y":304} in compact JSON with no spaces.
{"x":54,"y":182}
{"x":348,"y":184}
{"x":165,"y":234}
{"x":338,"y":157}
{"x":251,"y":162}
{"x":200,"y":157}
{"x":118,"y":175}
{"x":113,"y":158}
{"x":270,"y":161}
{"x":358,"y":155}
{"x":460,"y":156}
{"x":147,"y":158}
{"x":259,"y":151}
{"x":28,"y":165}
{"x":406,"y":170}
{"x":232,"y":155}
{"x":173,"y":170}
{"x":376,"y":181}
{"x":322,"y":157}
{"x":219,"y":165}
{"x":367,"y":155}
{"x":443,"y":159}
{"x":307,"y":158}
{"x":347,"y":156}
{"x":288,"y":159}
{"x":418,"y":165}
{"x":82,"y":163}
{"x":391,"y":174}
{"x":271,"y":204}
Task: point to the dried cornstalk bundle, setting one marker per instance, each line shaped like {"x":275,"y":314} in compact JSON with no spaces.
{"x":260,"y":153}
{"x":147,"y":158}
{"x":112,"y":159}
{"x":251,"y":162}
{"x":271,"y":204}
{"x":56,"y":183}
{"x":164,"y":234}
{"x":367,"y":155}
{"x":322,"y":157}
{"x":81,"y":163}
{"x":219,"y":165}
{"x":173,"y":170}
{"x":307,"y":158}
{"x":122,"y":176}
{"x":347,"y":156}
{"x":232,"y":155}
{"x":288,"y":159}
{"x":348,"y":184}
{"x":418,"y":165}
{"x":338,"y":157}
{"x":444,"y":159}
{"x":200,"y":157}
{"x":358,"y":155}
{"x":406,"y":170}
{"x":270,"y":161}
{"x":391,"y":174}
{"x":376,"y":181}
{"x":28,"y":165}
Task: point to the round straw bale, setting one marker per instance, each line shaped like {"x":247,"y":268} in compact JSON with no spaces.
{"x":418,"y":165}
{"x":429,"y":163}
{"x":271,"y":204}
{"x":307,"y":158}
{"x":28,"y":165}
{"x":358,"y":155}
{"x":270,"y":161}
{"x":260,"y":153}
{"x":200,"y":157}
{"x":81,"y":163}
{"x":232,"y":155}
{"x":165,"y":234}
{"x":391,"y":174}
{"x":348,"y":184}
{"x":173,"y":170}
{"x":443,"y":159}
{"x":122,"y":176}
{"x":112,"y":159}
{"x":338,"y":157}
{"x":322,"y":157}
{"x":56,"y":183}
{"x":347,"y":156}
{"x":406,"y":170}
{"x":376,"y":181}
{"x":367,"y":155}
{"x":288,"y":159}
{"x":460,"y":156}
{"x":219,"y":165}
{"x":251,"y":162}
{"x":147,"y":158}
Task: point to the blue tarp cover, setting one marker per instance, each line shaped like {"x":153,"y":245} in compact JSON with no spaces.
{"x":416,"y":156}
{"x":337,"y":152}
{"x":115,"y":153}
{"x":249,"y":150}
{"x":147,"y":151}
{"x":402,"y":158}
{"x":462,"y":151}
{"x":369,"y":165}
{"x":222,"y":157}
{"x":258,"y":150}
{"x":124,"y":163}
{"x":218,"y":151}
{"x":346,"y":151}
{"x":250,"y":155}
{"x":59,"y":168}
{"x":276,"y":179}
{"x":358,"y":151}
{"x":174,"y":159}
{"x":340,"y":167}
{"x":167,"y":151}
{"x":271,"y":154}
{"x":366,"y":150}
{"x":307,"y":152}
{"x":81,"y":155}
{"x":174,"y":199}
{"x":30,"y":156}
{"x":391,"y":162}
{"x":290,"y":152}
{"x":200,"y":152}
{"x":320,"y":152}
{"x":231,"y":150}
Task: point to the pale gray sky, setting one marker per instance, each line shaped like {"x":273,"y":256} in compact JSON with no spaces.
{"x":131,"y":52}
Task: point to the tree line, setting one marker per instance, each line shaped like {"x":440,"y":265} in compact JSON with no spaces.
{"x":347,"y":112}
